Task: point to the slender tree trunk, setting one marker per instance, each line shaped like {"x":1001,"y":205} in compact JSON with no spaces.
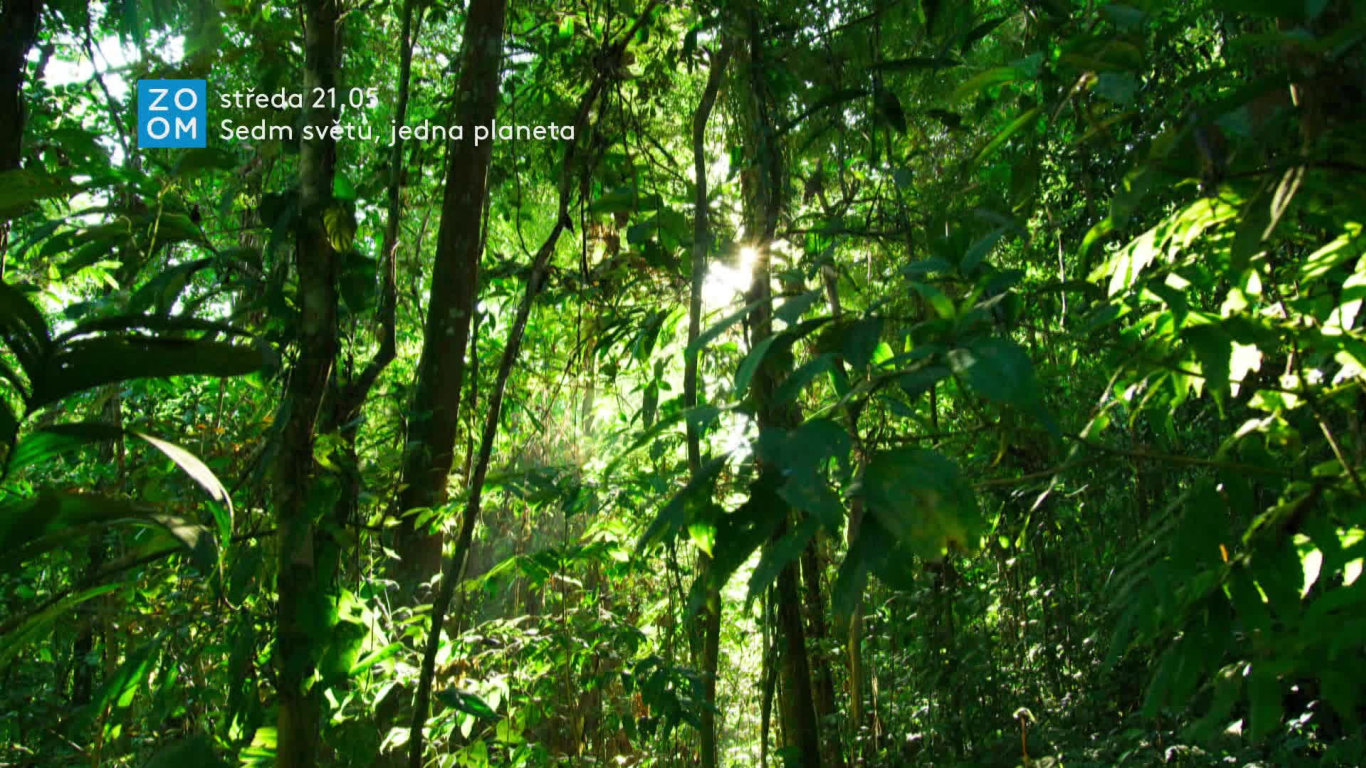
{"x":854,"y":648}
{"x":823,"y":682}
{"x":351,"y":396}
{"x":453,"y":568}
{"x":711,"y":609}
{"x":298,"y":582}
{"x":768,"y":675}
{"x":455,"y":282}
{"x":853,"y":638}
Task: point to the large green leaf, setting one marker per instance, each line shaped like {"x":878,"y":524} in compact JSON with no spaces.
{"x":20,"y":188}
{"x":53,"y":518}
{"x":467,"y":702}
{"x":161,"y":292}
{"x":89,"y":363}
{"x":779,"y":555}
{"x":1000,"y":370}
{"x":44,"y":443}
{"x":23,"y":328}
{"x":31,"y":628}
{"x":921,"y":498}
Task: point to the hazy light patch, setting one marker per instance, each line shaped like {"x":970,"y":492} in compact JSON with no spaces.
{"x":724,"y":283}
{"x":736,"y":437}
{"x":110,"y":55}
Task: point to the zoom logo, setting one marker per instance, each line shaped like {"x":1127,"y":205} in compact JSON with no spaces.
{"x":172,"y":113}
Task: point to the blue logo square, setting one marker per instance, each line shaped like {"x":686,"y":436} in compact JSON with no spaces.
{"x":172,"y":113}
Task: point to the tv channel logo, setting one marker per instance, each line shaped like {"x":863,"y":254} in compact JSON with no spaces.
{"x":172,"y":113}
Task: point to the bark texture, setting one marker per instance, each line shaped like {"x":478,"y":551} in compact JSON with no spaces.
{"x":435,"y":415}
{"x":299,"y":583}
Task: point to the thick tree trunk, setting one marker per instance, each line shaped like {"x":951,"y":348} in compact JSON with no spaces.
{"x":763,"y":183}
{"x":299,"y":585}
{"x":711,"y":609}
{"x":18,"y":33}
{"x":455,"y":278}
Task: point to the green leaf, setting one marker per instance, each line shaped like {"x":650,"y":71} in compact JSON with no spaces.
{"x":860,"y":339}
{"x":161,"y":292}
{"x":467,"y":702}
{"x":675,"y":514}
{"x":983,"y":80}
{"x":54,"y":518}
{"x":741,"y":532}
{"x":620,"y":200}
{"x":922,"y":500}
{"x":792,"y":309}
{"x":196,"y":751}
{"x":780,"y":555}
{"x":705,"y":337}
{"x":120,"y":688}
{"x":810,"y":493}
{"x":342,"y":188}
{"x":195,"y":161}
{"x":793,"y":385}
{"x":1264,"y":699}
{"x":32,"y":628}
{"x":23,"y":328}
{"x":1349,"y":245}
{"x":340,"y":224}
{"x":980,"y":249}
{"x":42,"y":444}
{"x":90,"y":363}
{"x":201,"y":474}
{"x":46,"y":442}
{"x":1015,"y":126}
{"x":940,"y":303}
{"x":1001,"y":371}
{"x":1213,"y":347}
{"x":375,"y":657}
{"x":979,"y":32}
{"x":19,"y":188}
{"x":751,"y":365}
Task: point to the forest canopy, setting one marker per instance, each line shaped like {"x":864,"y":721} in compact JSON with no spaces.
{"x":464,"y":383}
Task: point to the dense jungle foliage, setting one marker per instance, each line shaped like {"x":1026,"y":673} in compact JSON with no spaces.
{"x":839,"y":383}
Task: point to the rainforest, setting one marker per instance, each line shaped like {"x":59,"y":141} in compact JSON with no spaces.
{"x":730,"y":383}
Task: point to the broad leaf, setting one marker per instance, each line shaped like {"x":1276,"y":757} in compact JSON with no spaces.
{"x":922,"y":500}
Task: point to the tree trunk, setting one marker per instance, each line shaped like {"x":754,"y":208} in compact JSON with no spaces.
{"x":18,"y":33}
{"x":454,"y":289}
{"x":853,"y":639}
{"x":453,"y":568}
{"x":763,"y":183}
{"x":711,"y":609}
{"x":299,"y":585}
{"x":824,"y":681}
